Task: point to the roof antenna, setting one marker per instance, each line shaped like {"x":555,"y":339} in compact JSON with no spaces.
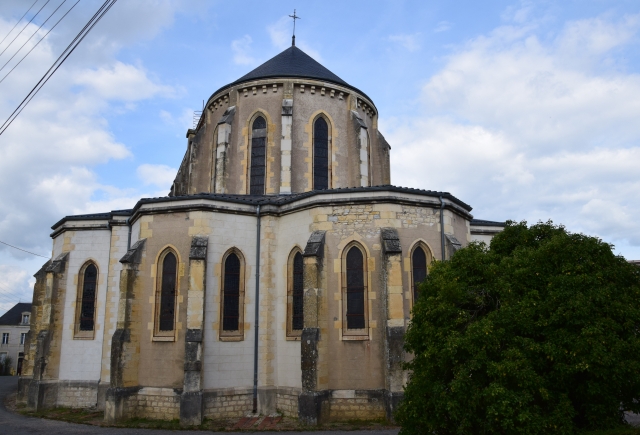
{"x":295,"y":17}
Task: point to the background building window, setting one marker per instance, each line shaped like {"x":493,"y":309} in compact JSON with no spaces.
{"x":5,"y":338}
{"x":25,"y":319}
{"x":23,"y":337}
{"x":258,"y":156}
{"x":419,"y":269}
{"x":231,"y":294}
{"x":355,"y":289}
{"x":320,"y":154}
{"x":166,"y":318}
{"x":88,"y":303}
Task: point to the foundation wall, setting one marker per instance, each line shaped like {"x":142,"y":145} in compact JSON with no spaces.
{"x":227,"y":403}
{"x":77,"y":394}
{"x":357,"y":405}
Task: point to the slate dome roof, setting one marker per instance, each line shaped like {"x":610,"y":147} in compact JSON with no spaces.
{"x":292,"y":63}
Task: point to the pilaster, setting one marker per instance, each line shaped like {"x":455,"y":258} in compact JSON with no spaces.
{"x":191,"y":398}
{"x":394,"y":332}
{"x":285,"y":146}
{"x":125,"y":356}
{"x":222,"y":145}
{"x":313,"y":403}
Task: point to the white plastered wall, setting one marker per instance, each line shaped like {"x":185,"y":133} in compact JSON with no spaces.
{"x":81,"y":359}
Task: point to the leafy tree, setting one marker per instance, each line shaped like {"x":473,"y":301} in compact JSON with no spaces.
{"x":537,"y":333}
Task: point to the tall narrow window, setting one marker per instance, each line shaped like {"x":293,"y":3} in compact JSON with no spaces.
{"x":355,"y":289}
{"x":88,"y":304}
{"x":320,"y":154}
{"x":258,"y":156}
{"x":231,"y":294}
{"x":167,"y":313}
{"x":419,"y":269}
{"x":295,"y":295}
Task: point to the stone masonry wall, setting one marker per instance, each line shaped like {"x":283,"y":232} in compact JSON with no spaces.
{"x":287,"y":402}
{"x":356,"y":405}
{"x":77,"y":394}
{"x":154,"y":403}
{"x":227,"y":404}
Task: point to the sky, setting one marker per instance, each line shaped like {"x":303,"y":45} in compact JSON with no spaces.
{"x":526,"y":110}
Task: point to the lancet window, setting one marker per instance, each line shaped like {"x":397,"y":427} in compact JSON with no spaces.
{"x":86,"y":301}
{"x":295,"y":294}
{"x":418,"y":269}
{"x":320,"y":154}
{"x":167,"y":292}
{"x":355,"y":291}
{"x":258,"y":156}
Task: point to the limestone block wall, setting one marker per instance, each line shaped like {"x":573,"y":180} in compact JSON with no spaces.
{"x":154,"y":403}
{"x":356,"y":405}
{"x":77,"y":394}
{"x":227,"y":403}
{"x":287,"y":401}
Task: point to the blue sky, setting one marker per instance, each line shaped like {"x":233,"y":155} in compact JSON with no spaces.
{"x":525,"y":110}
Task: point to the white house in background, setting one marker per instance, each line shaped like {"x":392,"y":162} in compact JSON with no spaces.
{"x":14,"y":326}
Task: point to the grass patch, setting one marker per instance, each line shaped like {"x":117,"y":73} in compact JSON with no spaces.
{"x":72,"y":415}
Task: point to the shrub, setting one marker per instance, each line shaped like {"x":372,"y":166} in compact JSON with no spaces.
{"x":537,"y":333}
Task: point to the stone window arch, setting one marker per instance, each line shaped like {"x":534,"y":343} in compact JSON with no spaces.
{"x":258,"y":155}
{"x":166,"y":293}
{"x":420,"y":261}
{"x":355,"y":317}
{"x":295,"y":293}
{"x":86,"y":301}
{"x":321,"y":153}
{"x":232,"y":296}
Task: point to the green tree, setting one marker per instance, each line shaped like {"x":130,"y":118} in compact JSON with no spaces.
{"x":537,"y":333}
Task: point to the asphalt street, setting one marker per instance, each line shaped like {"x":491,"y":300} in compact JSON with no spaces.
{"x":13,"y":424}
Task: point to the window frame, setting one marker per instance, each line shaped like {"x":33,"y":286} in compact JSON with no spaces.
{"x":252,"y":120}
{"x":3,"y":342}
{"x":23,"y":338}
{"x":169,"y":335}
{"x":329,"y":151}
{"x":428,"y":258}
{"x":28,"y":316}
{"x":237,"y":335}
{"x":80,"y":334}
{"x":293,"y":334}
{"x":359,"y":333}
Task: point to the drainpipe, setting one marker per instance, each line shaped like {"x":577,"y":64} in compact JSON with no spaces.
{"x":257,"y":315}
{"x":442,"y":227}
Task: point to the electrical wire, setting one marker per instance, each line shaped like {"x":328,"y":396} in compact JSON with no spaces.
{"x":17,"y":22}
{"x":23,"y":250}
{"x":25,"y":26}
{"x":36,"y":44}
{"x":33,"y":34}
{"x":65,"y":54}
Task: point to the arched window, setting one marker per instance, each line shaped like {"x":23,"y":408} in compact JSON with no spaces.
{"x":86,"y":302}
{"x":258,"y":156}
{"x":418,"y":269}
{"x":320,"y":154}
{"x":231,"y":301}
{"x":355,"y":291}
{"x":295,"y":294}
{"x":167,"y":303}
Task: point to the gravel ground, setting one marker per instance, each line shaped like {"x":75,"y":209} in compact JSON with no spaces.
{"x":15,"y":424}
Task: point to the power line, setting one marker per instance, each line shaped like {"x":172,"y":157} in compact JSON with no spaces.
{"x":23,"y":250}
{"x":17,"y":22}
{"x":33,"y":34}
{"x":65,"y":54}
{"x":36,"y":44}
{"x":25,"y":26}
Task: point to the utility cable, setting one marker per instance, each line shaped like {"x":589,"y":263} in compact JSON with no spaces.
{"x":25,"y":26}
{"x":36,"y":44}
{"x":65,"y":54}
{"x":32,"y":35}
{"x":23,"y":250}
{"x":17,"y":22}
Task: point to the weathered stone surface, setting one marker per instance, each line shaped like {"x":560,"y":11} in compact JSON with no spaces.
{"x":227,"y":116}
{"x":309,"y":358}
{"x":134,"y":254}
{"x":57,"y":265}
{"x":198,"y":248}
{"x":390,"y":241}
{"x":191,"y":408}
{"x":315,"y":244}
{"x":314,"y":407}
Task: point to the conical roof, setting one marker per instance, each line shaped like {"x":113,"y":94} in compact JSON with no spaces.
{"x":292,"y":63}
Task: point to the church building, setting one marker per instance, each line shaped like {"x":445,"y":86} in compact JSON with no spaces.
{"x":278,"y":275}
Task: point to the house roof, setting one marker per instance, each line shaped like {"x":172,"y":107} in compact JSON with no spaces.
{"x":14,"y":315}
{"x":292,"y":63}
{"x":483,"y":223}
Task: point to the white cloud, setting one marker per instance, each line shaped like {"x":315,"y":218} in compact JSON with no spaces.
{"x":408,"y":42}
{"x":442,"y":26}
{"x":533,"y":128}
{"x":242,"y":50}
{"x":16,"y":286}
{"x":157,"y":175}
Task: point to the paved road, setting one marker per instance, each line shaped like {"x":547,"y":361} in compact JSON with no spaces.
{"x":18,"y":425}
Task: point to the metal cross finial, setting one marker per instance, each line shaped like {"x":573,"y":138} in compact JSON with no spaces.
{"x":295,"y":17}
